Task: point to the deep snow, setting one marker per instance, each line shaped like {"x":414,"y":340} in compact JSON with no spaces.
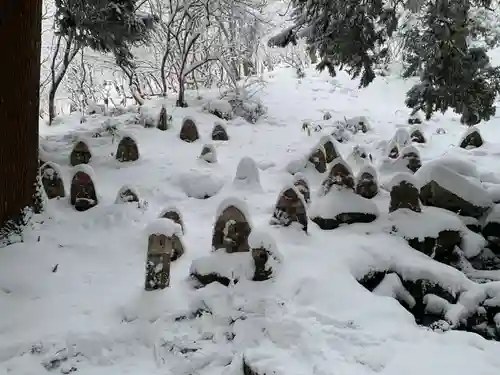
{"x":313,"y":318}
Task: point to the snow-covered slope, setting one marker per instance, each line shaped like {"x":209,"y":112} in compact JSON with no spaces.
{"x":72,"y":296}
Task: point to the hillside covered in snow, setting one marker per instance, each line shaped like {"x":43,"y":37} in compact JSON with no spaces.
{"x":400,"y":285}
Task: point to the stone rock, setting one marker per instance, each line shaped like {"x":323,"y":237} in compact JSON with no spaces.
{"x":173,"y":214}
{"x":417,"y":136}
{"x":441,"y":249}
{"x":52,"y":181}
{"x":290,"y":208}
{"x":302,"y":186}
{"x":160,"y":249}
{"x":219,"y":133}
{"x":127,"y":194}
{"x":404,"y":193}
{"x":441,"y":188}
{"x":327,"y":116}
{"x":472,"y":139}
{"x":83,"y":194}
{"x":189,"y":131}
{"x":491,"y":229}
{"x":231,"y":231}
{"x":341,"y":206}
{"x":411,"y":156}
{"x":264,"y":255}
{"x":393,"y":151}
{"x":209,"y":154}
{"x":163,"y":121}
{"x":340,"y":174}
{"x":127,"y":150}
{"x":366,"y":183}
{"x":318,"y":159}
{"x":331,"y":152}
{"x":340,"y":133}
{"x":80,"y":154}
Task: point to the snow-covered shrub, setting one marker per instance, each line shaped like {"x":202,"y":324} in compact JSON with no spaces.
{"x":220,"y":108}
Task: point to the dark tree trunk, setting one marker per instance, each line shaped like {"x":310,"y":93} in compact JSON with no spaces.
{"x":20,"y":34}
{"x":181,"y":101}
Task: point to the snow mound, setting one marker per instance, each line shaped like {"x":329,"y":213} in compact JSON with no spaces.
{"x":209,"y":153}
{"x":87,"y":169}
{"x":457,"y":164}
{"x":494,"y":215}
{"x":370,"y":169}
{"x":199,"y":184}
{"x":120,"y":196}
{"x":296,"y":165}
{"x":402,"y":137}
{"x":399,"y":178}
{"x":247,"y":174}
{"x":220,"y":108}
{"x":163,"y":226}
{"x":234,"y":266}
{"x":50,"y":168}
{"x":391,"y":286}
{"x":341,"y":201}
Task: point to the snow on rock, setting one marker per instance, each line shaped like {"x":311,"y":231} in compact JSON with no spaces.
{"x":457,"y":164}
{"x":209,"y":153}
{"x":247,"y":174}
{"x":296,"y":165}
{"x":220,"y":108}
{"x":200,"y":184}
{"x":341,"y":201}
{"x":232,"y":266}
{"x":391,"y":286}
{"x":259,"y":239}
{"x":50,"y":168}
{"x":428,"y":223}
{"x":467,"y":189}
{"x":87,"y":169}
{"x":126,"y":193}
{"x":472,"y":243}
{"x":397,"y":179}
{"x":236,"y":202}
{"x":165,"y":227}
{"x":493,"y":216}
{"x":370,"y":169}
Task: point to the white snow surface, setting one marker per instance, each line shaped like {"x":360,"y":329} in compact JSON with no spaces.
{"x":163,"y":226}
{"x":247,"y":174}
{"x":313,"y":318}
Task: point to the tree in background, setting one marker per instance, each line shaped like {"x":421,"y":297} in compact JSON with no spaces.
{"x":353,"y":34}
{"x":453,"y":74}
{"x":20,"y":35}
{"x":107,"y":26}
{"x":345,"y":33}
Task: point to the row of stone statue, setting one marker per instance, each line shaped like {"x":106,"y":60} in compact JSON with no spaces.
{"x":128,"y":149}
{"x":231,"y":233}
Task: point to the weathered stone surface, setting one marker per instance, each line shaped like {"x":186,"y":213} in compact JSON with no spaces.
{"x":158,"y":262}
{"x":417,"y":136}
{"x":340,"y":174}
{"x":442,"y":249}
{"x":404,"y":194}
{"x":327,"y":116}
{"x":231,"y":231}
{"x":432,"y":194}
{"x":412,"y":158}
{"x":366,"y":184}
{"x":83,"y":194}
{"x":163,"y":121}
{"x":189,"y":131}
{"x":331,"y":152}
{"x":80,"y":154}
{"x":219,"y":133}
{"x":344,"y":218}
{"x":290,"y":208}
{"x":262,"y":270}
{"x":127,"y":150}
{"x":302,"y":187}
{"x":318,"y":159}
{"x":472,"y":139}
{"x":52,"y":181}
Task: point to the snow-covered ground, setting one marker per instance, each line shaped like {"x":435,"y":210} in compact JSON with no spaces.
{"x":92,"y":315}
